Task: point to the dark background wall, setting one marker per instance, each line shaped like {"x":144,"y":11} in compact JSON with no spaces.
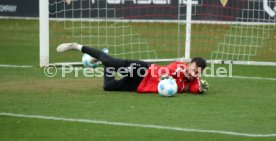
{"x":19,"y":8}
{"x":206,"y":10}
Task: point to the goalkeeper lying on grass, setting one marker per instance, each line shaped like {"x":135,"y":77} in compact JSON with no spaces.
{"x":144,"y":77}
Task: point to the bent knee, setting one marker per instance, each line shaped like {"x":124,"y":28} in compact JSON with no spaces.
{"x":108,"y":88}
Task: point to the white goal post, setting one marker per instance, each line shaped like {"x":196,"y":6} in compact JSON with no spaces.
{"x":44,"y":33}
{"x":242,"y":37}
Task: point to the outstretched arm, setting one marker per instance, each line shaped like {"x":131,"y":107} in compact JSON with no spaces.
{"x":199,"y":86}
{"x":204,"y":86}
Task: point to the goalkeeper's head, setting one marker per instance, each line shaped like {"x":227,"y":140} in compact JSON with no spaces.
{"x":197,"y":65}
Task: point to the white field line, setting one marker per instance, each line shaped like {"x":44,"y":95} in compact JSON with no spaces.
{"x":232,"y":133}
{"x":235,"y":77}
{"x":256,"y":78}
{"x":14,"y":66}
{"x":246,"y":77}
{"x":265,"y":22}
{"x":238,"y":77}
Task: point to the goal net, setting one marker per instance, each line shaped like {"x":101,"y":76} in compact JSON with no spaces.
{"x":236,"y":31}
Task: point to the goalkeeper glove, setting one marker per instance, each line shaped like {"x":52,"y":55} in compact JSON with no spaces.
{"x":204,"y":86}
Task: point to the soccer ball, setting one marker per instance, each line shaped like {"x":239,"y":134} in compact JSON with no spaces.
{"x":89,"y":61}
{"x":68,"y":1}
{"x":167,"y":87}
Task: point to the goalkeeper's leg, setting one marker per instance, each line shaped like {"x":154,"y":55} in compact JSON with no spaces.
{"x":106,"y":60}
{"x":124,"y":84}
{"x":109,"y":61}
{"x":129,"y":83}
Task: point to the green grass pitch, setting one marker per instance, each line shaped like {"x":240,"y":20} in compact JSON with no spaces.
{"x":231,"y":104}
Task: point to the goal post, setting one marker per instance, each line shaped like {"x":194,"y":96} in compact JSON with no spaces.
{"x":222,"y":31}
{"x":43,"y":33}
{"x":188,"y":29}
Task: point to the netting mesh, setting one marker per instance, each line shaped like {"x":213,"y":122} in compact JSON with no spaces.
{"x":242,"y":30}
{"x":245,"y":41}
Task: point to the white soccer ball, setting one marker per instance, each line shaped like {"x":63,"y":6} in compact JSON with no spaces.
{"x":89,"y":61}
{"x":167,"y":87}
{"x":68,"y":1}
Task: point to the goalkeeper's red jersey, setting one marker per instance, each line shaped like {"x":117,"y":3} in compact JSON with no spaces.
{"x":150,"y":82}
